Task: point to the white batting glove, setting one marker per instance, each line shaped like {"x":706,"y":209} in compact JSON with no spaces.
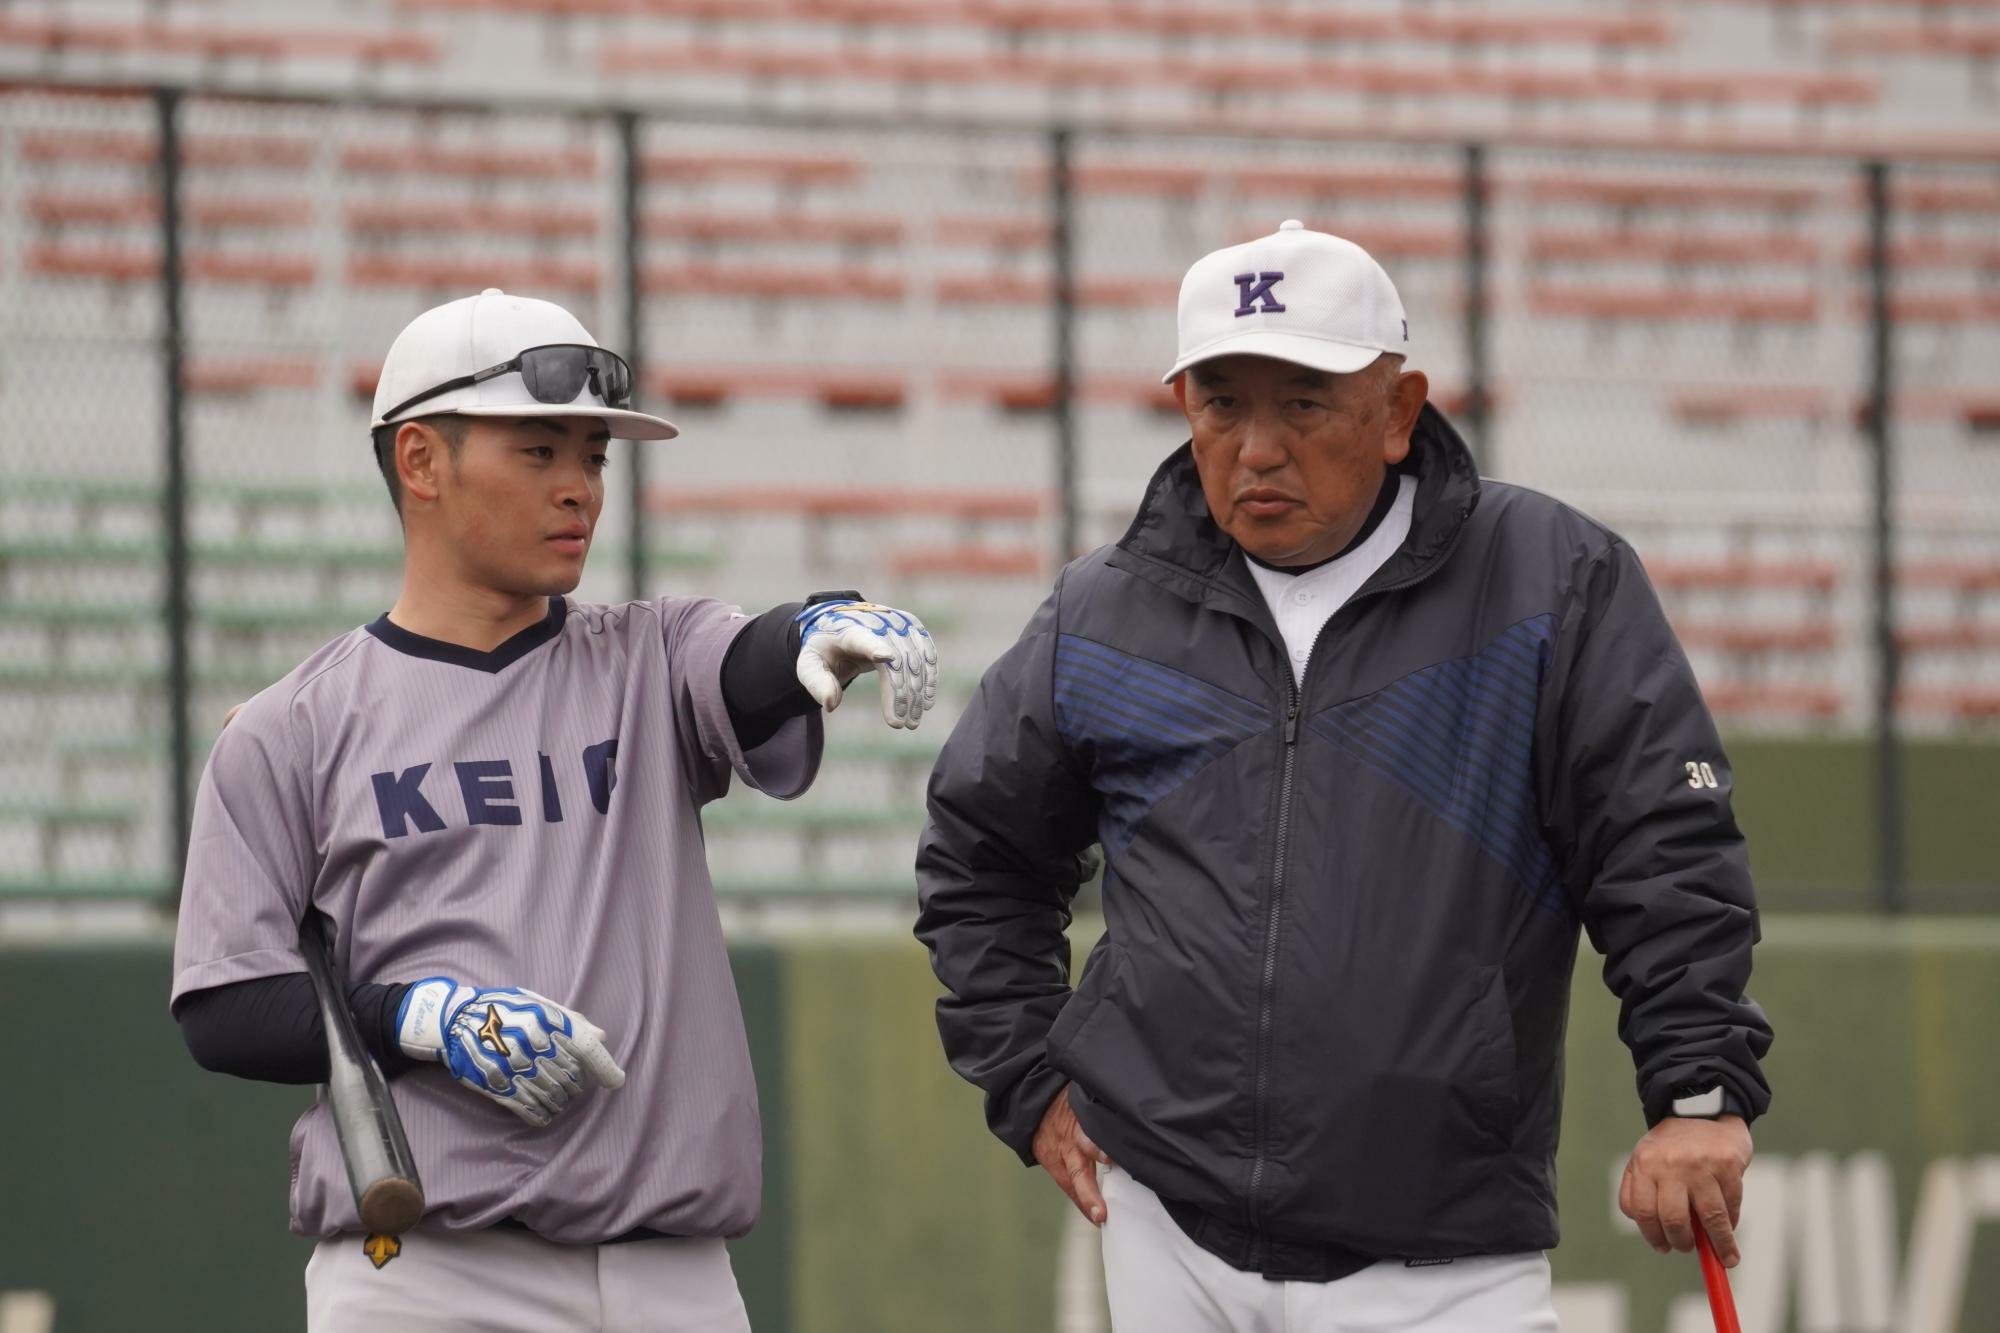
{"x":840,"y":640}
{"x":511,"y":1046}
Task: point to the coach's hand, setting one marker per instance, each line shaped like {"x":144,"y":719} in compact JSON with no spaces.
{"x":1688,"y":1173}
{"x":840,"y":640}
{"x":512,"y":1046}
{"x":1068,"y":1155}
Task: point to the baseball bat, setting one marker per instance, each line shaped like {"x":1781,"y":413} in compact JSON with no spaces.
{"x":1720,"y":1303}
{"x":380,"y":1168}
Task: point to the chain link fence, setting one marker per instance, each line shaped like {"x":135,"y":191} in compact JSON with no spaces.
{"x":924,"y":361}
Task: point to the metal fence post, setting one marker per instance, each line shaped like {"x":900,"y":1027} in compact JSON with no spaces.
{"x":634,"y":349}
{"x":1888,"y":657}
{"x":1476,"y":402}
{"x":1063,"y":299}
{"x":173,"y":499}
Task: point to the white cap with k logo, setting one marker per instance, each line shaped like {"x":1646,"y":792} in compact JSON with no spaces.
{"x":1295,"y":295}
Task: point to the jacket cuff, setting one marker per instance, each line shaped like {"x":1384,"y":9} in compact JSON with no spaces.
{"x":1016,"y":1116}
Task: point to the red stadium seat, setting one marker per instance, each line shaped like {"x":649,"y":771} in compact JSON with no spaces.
{"x":859,"y":388}
{"x":217,"y":42}
{"x":1690,"y":575}
{"x":1178,"y":20}
{"x":471,"y":274}
{"x":1673,"y":247}
{"x":1964,"y":576}
{"x":1032,"y":391}
{"x":764,"y":62}
{"x":1934,"y":252}
{"x":999,"y":233}
{"x":55,"y":210}
{"x":1928,"y":38}
{"x":1180,"y":179}
{"x":1007,"y":289}
{"x":1725,"y":405}
{"x":222,"y":378}
{"x":414,"y":217}
{"x":1953,"y":307}
{"x":1736,"y":698}
{"x":1922,"y":195}
{"x":785,"y":168}
{"x":1666,"y":304}
{"x":972,"y":561}
{"x":1386,"y":241}
{"x":139,"y":148}
{"x":1626,"y":190}
{"x":789,"y":282}
{"x":1949,"y":637}
{"x":1965,"y":702}
{"x":678,"y":224}
{"x":127,"y":264}
{"x":1927,"y":5}
{"x":420,"y":159}
{"x":1757,"y":640}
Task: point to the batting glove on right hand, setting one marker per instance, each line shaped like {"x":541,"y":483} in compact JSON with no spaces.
{"x":511,"y":1046}
{"x":839,"y":640}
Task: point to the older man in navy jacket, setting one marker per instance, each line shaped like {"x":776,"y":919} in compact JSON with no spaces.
{"x":1364,"y":741}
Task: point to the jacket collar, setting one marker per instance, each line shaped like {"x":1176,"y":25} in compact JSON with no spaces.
{"x":1173,"y":541}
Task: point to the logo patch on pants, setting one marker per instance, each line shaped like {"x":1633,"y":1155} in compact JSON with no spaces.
{"x":380,"y":1249}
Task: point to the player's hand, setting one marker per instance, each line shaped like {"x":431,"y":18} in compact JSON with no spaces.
{"x":1684,"y":1174}
{"x":512,"y":1046}
{"x":840,"y":640}
{"x":1068,"y":1155}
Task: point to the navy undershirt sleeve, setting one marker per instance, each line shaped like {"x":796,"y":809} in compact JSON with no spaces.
{"x":760,"y":677}
{"x":270,"y":1028}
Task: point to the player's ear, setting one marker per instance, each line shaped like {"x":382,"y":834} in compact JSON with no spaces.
{"x":420,"y":454}
{"x":1180,"y":390}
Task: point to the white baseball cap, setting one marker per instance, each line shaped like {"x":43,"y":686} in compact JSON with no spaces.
{"x":462,"y":338}
{"x":1296,"y":295}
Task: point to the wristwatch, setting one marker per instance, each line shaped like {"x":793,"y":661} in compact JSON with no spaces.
{"x":1693,"y":1103}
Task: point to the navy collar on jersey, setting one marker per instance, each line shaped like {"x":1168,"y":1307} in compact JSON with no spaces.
{"x":457,"y":654}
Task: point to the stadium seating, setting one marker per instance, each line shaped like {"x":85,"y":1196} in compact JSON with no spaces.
{"x":217,"y":42}
{"x":852,"y":322}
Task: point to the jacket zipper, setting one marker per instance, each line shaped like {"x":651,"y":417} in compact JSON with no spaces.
{"x":1267,"y":992}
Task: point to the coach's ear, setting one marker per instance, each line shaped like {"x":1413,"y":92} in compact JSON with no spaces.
{"x":230,"y":716}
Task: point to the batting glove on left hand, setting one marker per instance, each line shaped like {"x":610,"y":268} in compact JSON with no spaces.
{"x":512,"y":1046}
{"x":840,"y":640}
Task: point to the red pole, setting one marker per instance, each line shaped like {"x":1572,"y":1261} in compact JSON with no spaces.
{"x":1720,"y":1303}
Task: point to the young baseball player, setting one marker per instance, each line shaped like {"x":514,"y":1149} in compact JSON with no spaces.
{"x":493,"y":793}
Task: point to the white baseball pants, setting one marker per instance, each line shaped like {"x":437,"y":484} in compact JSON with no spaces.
{"x":1159,"y":1281}
{"x":507,"y":1281}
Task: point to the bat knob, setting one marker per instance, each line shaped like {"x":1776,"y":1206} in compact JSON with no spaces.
{"x":391,"y":1206}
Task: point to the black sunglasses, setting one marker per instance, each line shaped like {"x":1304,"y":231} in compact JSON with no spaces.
{"x":554,"y":373}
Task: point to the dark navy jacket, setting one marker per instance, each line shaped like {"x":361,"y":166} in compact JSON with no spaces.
{"x":1330,"y":998}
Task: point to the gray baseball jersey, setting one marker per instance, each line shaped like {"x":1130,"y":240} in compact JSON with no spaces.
{"x":521,"y":817}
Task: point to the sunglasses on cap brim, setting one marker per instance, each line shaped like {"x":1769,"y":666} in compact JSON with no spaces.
{"x":554,"y":373}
